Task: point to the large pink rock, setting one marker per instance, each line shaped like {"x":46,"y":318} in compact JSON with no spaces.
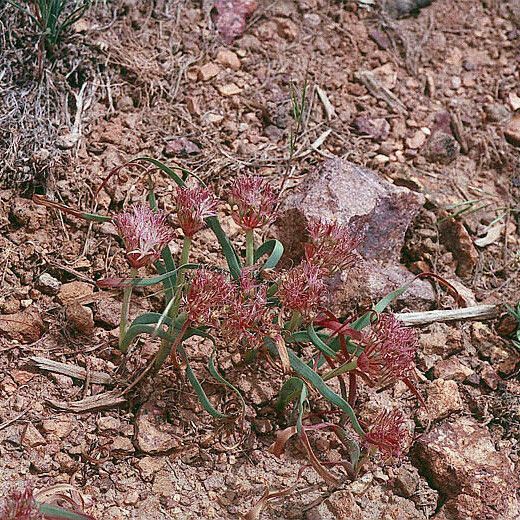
{"x":460,"y":460}
{"x":351,"y":194}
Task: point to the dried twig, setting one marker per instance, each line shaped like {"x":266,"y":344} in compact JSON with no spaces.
{"x":379,"y":91}
{"x":96,"y":377}
{"x":89,"y":404}
{"x":478,"y":312}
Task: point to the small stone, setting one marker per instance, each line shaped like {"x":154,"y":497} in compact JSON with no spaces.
{"x":456,"y":82}
{"x":80,"y":318}
{"x":360,"y":485}
{"x":381,"y":158}
{"x":154,"y":434}
{"x":122,"y":445}
{"x":417,"y":140}
{"x":163,"y":485}
{"x":31,"y":437}
{"x":457,"y":240}
{"x":66,"y":462}
{"x":107,"y":313}
{"x":451,"y":369}
{"x":377,"y":128}
{"x":262,"y":425}
{"x":287,"y":29}
{"x":229,"y":59}
{"x":406,"y":481}
{"x":460,"y":458}
{"x":149,"y":466}
{"x":61,"y":429}
{"x":229,"y":89}
{"x":443,"y":399}
{"x":75,"y":291}
{"x":208,"y":71}
{"x":496,"y":112}
{"x":48,"y":284}
{"x":490,"y":377}
{"x":181,"y":147}
{"x":214,"y":481}
{"x":132,"y":498}
{"x":26,"y":326}
{"x":512,"y":131}
{"x":105,"y":424}
{"x":441,"y":148}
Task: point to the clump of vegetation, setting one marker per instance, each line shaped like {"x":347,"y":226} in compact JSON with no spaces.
{"x":53,"y":18}
{"x":269,"y":315}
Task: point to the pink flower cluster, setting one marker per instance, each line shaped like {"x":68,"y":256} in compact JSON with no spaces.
{"x":389,"y":351}
{"x":254,"y":202}
{"x":332,"y":245}
{"x":20,"y":505}
{"x":302,"y":289}
{"x":145,"y":233}
{"x":387,"y":433}
{"x":194,"y":206}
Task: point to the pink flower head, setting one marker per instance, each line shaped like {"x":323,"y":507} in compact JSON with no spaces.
{"x":254,"y":202}
{"x":145,"y":233}
{"x":332,"y":244}
{"x":302,"y":289}
{"x":389,"y":352}
{"x":388,"y":433}
{"x":248,"y":317}
{"x":209,"y":291}
{"x":194,"y":205}
{"x":20,"y":505}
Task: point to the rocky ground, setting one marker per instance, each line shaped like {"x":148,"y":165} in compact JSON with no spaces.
{"x":410,"y":122}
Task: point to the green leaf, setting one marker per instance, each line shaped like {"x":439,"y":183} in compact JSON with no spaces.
{"x":167,"y":258}
{"x":138,"y":329}
{"x":274,"y":249}
{"x":318,"y":343}
{"x":166,"y":169}
{"x":317,"y":382}
{"x":203,"y":398}
{"x":227,"y":248}
{"x":215,"y":373}
{"x":350,"y":443}
{"x":381,"y":305}
{"x":51,"y":512}
{"x":289,"y":391}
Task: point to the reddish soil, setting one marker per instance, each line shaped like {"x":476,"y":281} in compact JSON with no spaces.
{"x":154,"y":79}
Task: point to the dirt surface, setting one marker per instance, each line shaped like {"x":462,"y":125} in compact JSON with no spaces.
{"x":426,"y":101}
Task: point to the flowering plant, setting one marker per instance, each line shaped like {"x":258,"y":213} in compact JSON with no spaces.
{"x":269,"y":313}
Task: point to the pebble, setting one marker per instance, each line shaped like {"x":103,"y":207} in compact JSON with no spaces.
{"x":417,"y":140}
{"x":228,"y":59}
{"x":208,"y":71}
{"x":31,"y":437}
{"x":229,"y":89}
{"x":512,"y":131}
{"x":48,"y":284}
{"x":73,"y":291}
{"x":80,"y":318}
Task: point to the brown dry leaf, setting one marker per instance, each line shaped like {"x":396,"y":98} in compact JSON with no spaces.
{"x":278,"y":446}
